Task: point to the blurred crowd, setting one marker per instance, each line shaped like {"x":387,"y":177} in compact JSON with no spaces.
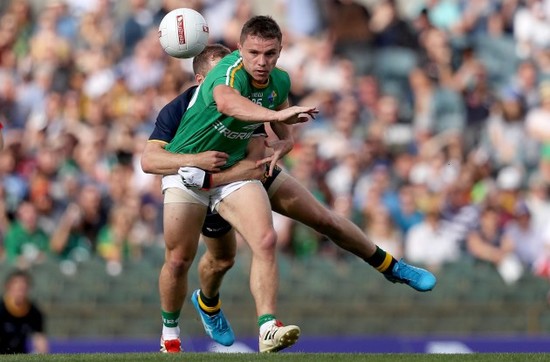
{"x":434,"y":132}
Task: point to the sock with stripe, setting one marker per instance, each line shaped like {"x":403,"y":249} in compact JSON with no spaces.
{"x":265,"y":322}
{"x":382,"y":261}
{"x":208,"y":305}
{"x":170,"y":325}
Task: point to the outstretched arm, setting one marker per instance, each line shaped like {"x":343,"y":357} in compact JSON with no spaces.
{"x":231,"y":103}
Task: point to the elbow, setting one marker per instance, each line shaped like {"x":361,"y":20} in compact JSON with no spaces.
{"x":222,"y":105}
{"x":224,"y":98}
{"x":146,"y":164}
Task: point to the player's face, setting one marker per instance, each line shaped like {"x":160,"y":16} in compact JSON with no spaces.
{"x":259,"y":56}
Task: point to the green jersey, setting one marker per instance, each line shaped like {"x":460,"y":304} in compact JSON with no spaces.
{"x":203,"y":128}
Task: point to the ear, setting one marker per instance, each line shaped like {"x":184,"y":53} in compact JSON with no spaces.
{"x":199,"y":78}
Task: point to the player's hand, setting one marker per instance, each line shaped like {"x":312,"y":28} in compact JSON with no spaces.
{"x":210,"y":161}
{"x":280,"y":149}
{"x":296,"y":114}
{"x":252,"y":170}
{"x":194,"y":177}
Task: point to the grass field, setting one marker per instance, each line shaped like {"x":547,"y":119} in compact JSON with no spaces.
{"x":285,"y":357}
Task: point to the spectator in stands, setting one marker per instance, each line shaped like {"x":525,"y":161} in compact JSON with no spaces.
{"x":536,"y":121}
{"x":486,"y":242}
{"x":389,"y":29}
{"x":472,"y":82}
{"x":21,"y":320}
{"x":406,"y":214}
{"x":380,"y":227}
{"x":504,"y":136}
{"x":458,"y":214}
{"x":537,"y":198}
{"x":77,"y":232}
{"x":136,"y":25}
{"x":525,"y":82}
{"x":509,"y":187}
{"x":531,"y":28}
{"x":430,"y":243}
{"x":524,"y":235}
{"x":348,"y":27}
{"x":25,"y":242}
{"x":115,"y":243}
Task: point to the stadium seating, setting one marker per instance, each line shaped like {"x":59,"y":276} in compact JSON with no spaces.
{"x":345,"y":297}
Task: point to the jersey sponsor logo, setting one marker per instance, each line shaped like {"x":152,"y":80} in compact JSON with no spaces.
{"x":181,"y":30}
{"x":227,"y":133}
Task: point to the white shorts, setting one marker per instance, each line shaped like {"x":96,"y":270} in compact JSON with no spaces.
{"x":211,"y":197}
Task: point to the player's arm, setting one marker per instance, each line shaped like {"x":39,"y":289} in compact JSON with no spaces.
{"x":157,"y":160}
{"x":247,"y":169}
{"x":231,"y":103}
{"x":253,"y":167}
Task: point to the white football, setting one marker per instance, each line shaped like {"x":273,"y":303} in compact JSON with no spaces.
{"x":183,"y":33}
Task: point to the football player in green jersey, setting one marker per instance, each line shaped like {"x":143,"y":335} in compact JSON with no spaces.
{"x":237,"y":96}
{"x":287,"y":197}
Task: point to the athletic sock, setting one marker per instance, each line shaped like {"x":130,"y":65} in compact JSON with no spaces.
{"x":170,"y":327}
{"x":382,"y":261}
{"x":208,"y":305}
{"x":265,"y":322}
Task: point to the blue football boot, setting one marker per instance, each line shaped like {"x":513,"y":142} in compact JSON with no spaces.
{"x":216,"y":326}
{"x":417,"y":278}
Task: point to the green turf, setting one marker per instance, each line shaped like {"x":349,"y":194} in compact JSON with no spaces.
{"x":290,"y":357}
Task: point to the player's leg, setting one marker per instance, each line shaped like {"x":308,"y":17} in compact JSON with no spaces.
{"x":182,"y":223}
{"x":249,"y":211}
{"x":293,"y":200}
{"x":221,"y":247}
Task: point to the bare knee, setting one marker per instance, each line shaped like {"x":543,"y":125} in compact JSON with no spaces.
{"x":177,"y":263}
{"x":219,"y":264}
{"x":266,"y":244}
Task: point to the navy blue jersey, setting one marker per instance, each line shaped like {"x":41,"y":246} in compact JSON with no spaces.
{"x":170,"y":115}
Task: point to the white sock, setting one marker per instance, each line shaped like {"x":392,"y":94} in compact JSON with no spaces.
{"x":170,"y":333}
{"x":267,"y":325}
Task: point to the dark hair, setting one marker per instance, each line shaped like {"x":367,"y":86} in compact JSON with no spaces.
{"x":209,"y":53}
{"x":18,"y":273}
{"x":261,"y":26}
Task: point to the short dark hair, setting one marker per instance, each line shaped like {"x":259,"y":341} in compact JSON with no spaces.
{"x":210,"y":52}
{"x":17,"y":273}
{"x":262,"y":26}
